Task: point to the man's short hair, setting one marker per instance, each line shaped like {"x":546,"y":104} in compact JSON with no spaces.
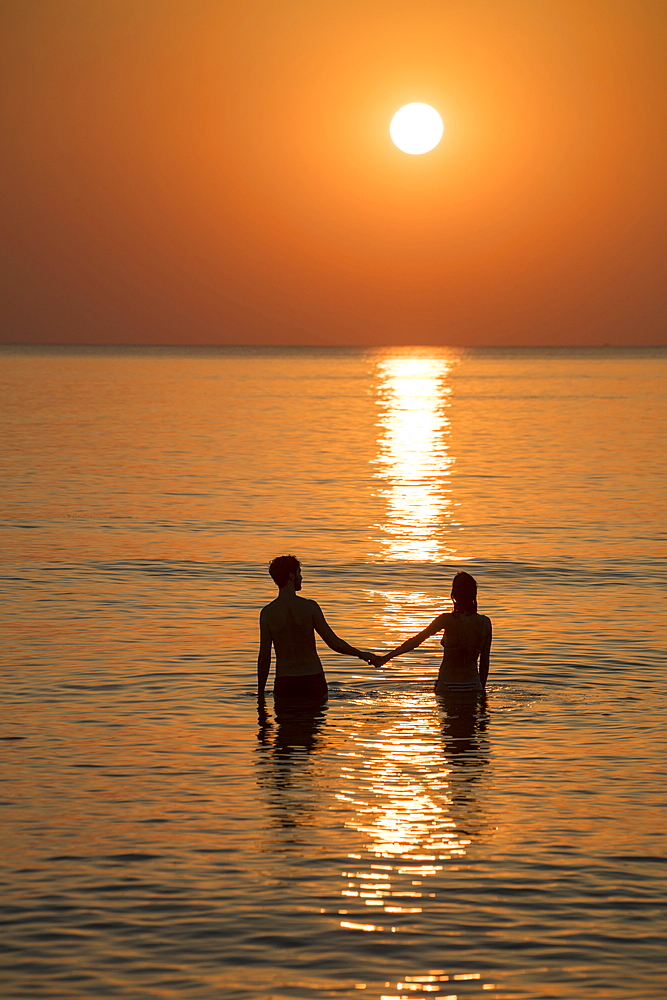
{"x":281,"y":567}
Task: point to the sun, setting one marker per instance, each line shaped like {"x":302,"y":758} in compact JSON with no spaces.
{"x":416,"y":128}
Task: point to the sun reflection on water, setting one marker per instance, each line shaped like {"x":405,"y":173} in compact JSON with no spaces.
{"x":414,"y":460}
{"x":403,"y":792}
{"x":409,"y":788}
{"x":407,"y":808}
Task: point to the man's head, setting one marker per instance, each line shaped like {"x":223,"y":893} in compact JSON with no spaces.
{"x":284,"y":567}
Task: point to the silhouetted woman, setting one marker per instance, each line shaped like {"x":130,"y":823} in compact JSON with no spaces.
{"x":466,"y":640}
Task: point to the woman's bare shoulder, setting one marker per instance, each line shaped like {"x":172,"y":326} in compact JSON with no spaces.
{"x":441,"y":621}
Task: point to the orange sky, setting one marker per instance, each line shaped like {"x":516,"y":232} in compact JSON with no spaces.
{"x":211,"y":172}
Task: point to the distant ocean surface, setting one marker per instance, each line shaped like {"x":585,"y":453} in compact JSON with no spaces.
{"x":163,"y":839}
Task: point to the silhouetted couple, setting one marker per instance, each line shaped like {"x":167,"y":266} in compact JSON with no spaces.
{"x":290,"y":622}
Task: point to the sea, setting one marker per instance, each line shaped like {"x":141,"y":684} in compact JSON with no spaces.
{"x":165,"y":836}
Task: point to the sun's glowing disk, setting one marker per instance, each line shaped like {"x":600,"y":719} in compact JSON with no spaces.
{"x":416,"y":128}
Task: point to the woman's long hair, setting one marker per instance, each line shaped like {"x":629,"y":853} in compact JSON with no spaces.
{"x":464,"y":594}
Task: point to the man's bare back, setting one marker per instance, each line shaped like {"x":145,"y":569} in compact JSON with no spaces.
{"x":289,"y":624}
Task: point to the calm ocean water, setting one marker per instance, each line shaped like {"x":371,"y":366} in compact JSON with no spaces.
{"x":161,"y":839}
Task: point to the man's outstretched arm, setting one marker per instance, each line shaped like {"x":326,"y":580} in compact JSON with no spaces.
{"x":264,"y":658}
{"x":324,"y":630}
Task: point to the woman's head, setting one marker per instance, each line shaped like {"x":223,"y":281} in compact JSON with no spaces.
{"x":464,"y":593}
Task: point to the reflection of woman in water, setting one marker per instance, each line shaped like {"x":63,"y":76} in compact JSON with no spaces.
{"x":466,"y":639}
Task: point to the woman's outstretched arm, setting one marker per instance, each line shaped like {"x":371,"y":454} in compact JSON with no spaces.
{"x":436,"y":625}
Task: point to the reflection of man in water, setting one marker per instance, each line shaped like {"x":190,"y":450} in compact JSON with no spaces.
{"x":289,"y":624}
{"x":285,"y":770}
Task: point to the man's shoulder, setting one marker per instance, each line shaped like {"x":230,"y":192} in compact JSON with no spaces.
{"x":303,"y":602}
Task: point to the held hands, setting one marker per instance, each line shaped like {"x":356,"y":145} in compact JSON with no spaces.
{"x":373,"y":658}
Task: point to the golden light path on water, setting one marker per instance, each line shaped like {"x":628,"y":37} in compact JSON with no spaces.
{"x":403,"y":780}
{"x":414,"y":460}
{"x":402,"y":786}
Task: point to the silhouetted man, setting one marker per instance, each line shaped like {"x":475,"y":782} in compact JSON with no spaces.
{"x":289,"y":624}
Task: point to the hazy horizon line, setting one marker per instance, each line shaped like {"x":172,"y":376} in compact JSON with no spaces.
{"x":330,"y":347}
